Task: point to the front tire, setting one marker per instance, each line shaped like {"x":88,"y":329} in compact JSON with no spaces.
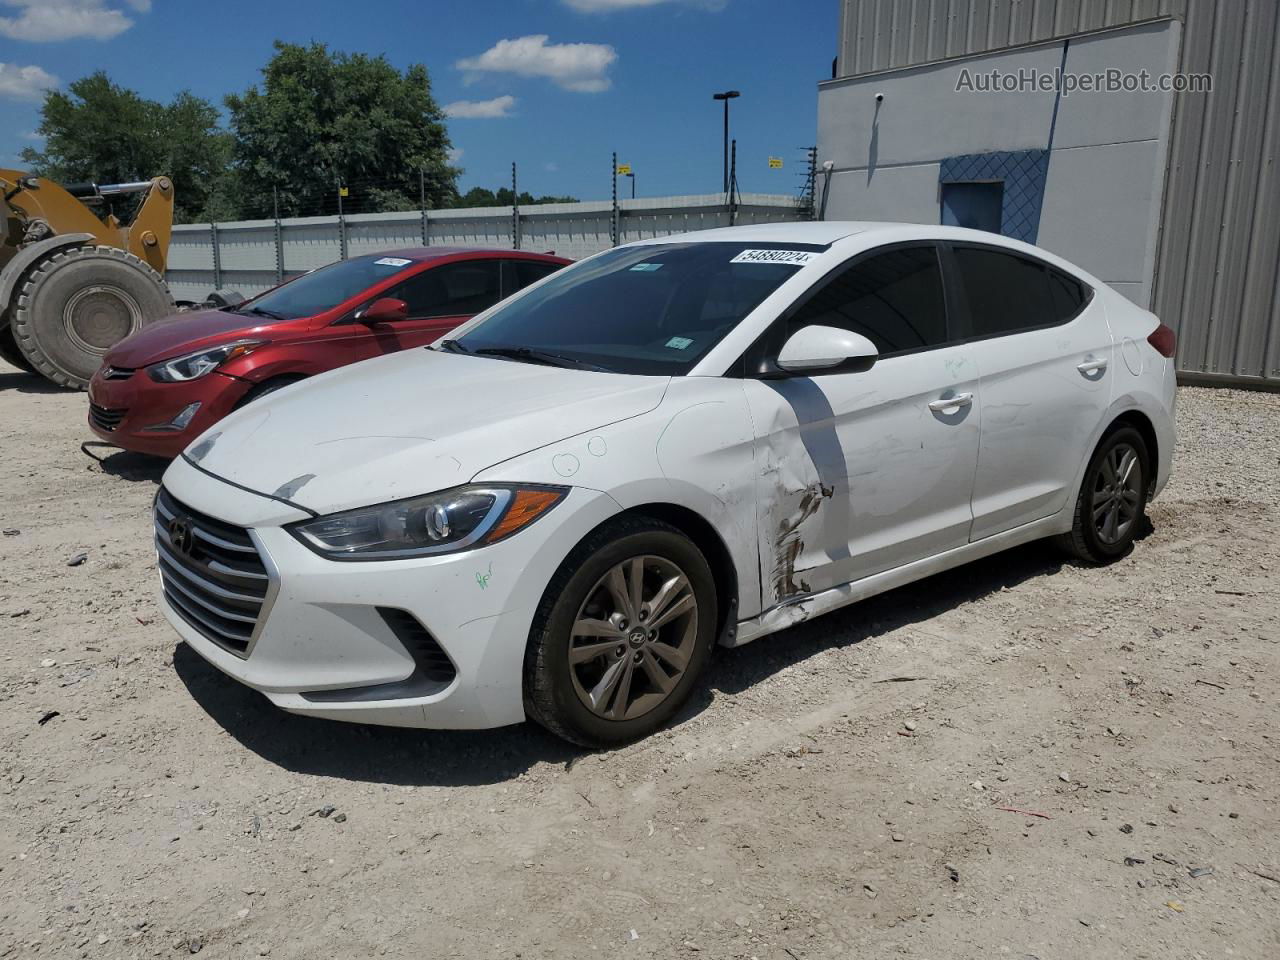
{"x":624,"y":630}
{"x":9,"y":351}
{"x":77,"y":303}
{"x":1111,"y":508}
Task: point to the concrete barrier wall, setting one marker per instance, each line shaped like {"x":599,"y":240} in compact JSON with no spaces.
{"x":252,"y":255}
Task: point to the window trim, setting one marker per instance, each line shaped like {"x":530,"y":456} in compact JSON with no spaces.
{"x":752,"y":364}
{"x":964,"y":315}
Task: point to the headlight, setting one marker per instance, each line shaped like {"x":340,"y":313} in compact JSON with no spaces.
{"x":444,"y":522}
{"x":193,"y":366}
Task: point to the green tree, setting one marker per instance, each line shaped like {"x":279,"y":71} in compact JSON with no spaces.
{"x":323,"y":119}
{"x":102,"y":132}
{"x":484,"y":197}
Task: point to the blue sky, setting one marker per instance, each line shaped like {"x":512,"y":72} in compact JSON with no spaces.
{"x":555,"y":85}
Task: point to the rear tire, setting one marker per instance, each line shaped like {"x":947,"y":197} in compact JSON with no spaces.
{"x":1111,"y":507}
{"x":601,"y":670}
{"x":77,"y":303}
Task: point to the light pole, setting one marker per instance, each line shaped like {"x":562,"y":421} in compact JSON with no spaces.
{"x":726,"y":96}
{"x":633,"y":184}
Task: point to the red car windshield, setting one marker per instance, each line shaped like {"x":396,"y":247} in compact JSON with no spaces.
{"x":325,"y":288}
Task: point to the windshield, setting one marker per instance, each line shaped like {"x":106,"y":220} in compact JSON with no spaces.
{"x":325,"y":288}
{"x":653,"y":309}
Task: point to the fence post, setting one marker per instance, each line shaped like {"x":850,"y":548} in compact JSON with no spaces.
{"x":275,"y":207}
{"x":342,"y":226}
{"x":733,"y":184}
{"x":217,"y":257}
{"x":422,"y":202}
{"x":515,"y":210}
{"x":614,"y":220}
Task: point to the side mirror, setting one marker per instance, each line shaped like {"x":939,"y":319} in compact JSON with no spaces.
{"x":383,"y":310}
{"x":817,"y":349}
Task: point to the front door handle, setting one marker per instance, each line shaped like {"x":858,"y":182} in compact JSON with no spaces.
{"x":1092,"y":366}
{"x":951,"y":404}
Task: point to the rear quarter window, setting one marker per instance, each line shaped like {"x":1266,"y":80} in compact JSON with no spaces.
{"x":1005,"y":292}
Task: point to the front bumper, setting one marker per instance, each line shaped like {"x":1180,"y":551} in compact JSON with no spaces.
{"x":134,"y":403}
{"x":323,"y":646}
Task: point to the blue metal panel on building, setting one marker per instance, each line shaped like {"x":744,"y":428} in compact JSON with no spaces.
{"x":1023,"y":173}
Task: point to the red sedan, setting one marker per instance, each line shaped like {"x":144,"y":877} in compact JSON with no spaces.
{"x":165,"y":385}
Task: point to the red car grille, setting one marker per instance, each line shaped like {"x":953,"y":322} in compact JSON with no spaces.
{"x":105,"y":418}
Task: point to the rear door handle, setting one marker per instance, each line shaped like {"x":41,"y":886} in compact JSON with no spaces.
{"x":951,"y":403}
{"x":1092,"y":366}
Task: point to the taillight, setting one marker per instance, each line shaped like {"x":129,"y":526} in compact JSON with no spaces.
{"x":1164,"y":340}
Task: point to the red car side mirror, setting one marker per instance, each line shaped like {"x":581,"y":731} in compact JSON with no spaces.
{"x":385,"y":309}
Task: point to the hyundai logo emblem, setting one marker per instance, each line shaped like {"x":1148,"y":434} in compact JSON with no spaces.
{"x":180,"y":535}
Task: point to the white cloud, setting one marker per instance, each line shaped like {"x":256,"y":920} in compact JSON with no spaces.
{"x":24,"y":83}
{"x":582,"y":67}
{"x":44,"y":21}
{"x":480,"y":109}
{"x":455,"y":154}
{"x":33,"y":136}
{"x":551,"y":166}
{"x":611,"y":6}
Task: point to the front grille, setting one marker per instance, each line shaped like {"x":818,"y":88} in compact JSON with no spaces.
{"x":118,"y":373}
{"x":105,"y":418}
{"x":211,"y":573}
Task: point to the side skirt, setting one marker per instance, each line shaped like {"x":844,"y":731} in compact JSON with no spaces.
{"x":799,"y":609}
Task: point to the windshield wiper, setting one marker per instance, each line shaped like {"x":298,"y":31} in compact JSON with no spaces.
{"x":452,"y":346}
{"x":527,"y":355}
{"x":262,"y":312}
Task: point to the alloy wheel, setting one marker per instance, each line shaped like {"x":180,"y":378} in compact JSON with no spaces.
{"x":1117,"y":494}
{"x":633,"y":637}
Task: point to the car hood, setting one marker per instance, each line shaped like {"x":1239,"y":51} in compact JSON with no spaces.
{"x":409,"y":423}
{"x":182,"y":333}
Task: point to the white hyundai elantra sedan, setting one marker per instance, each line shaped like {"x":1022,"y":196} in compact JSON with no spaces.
{"x":557,"y":512}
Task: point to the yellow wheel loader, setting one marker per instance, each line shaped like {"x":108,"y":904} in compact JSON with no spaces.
{"x":73,"y":281}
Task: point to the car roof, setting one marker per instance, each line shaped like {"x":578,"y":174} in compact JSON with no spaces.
{"x":423,"y":254}
{"x":826,"y":232}
{"x":821,"y":232}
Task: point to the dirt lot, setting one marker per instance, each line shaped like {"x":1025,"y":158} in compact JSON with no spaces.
{"x":804,"y":807}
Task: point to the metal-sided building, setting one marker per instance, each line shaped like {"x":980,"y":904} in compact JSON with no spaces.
{"x":1172,"y":196}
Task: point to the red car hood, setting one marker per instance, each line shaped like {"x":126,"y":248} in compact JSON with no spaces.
{"x":183,"y":333}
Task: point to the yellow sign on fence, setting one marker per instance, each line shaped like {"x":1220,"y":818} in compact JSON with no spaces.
{"x":624,"y":169}
{"x":775,"y":163}
{"x":343,"y":192}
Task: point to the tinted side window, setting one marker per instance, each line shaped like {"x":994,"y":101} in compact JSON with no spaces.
{"x":894,"y":299}
{"x":450,"y":290}
{"x":530,"y":271}
{"x":1006,"y":293}
{"x":1069,"y":295}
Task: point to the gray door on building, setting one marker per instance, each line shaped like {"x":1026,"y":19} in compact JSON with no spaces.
{"x":973,"y":205}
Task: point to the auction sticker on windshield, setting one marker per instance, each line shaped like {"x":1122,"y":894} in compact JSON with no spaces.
{"x":392,"y":262}
{"x":797,"y":257}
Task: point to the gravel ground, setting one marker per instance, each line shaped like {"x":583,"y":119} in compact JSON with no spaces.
{"x":1076,"y":747}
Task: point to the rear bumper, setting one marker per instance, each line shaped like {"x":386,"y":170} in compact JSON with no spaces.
{"x":138,"y":407}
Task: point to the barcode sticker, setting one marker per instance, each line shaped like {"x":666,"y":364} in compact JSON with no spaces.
{"x":794,"y":257}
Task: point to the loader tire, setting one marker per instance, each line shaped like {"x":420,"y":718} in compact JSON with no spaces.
{"x":9,"y":351}
{"x":77,"y":303}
